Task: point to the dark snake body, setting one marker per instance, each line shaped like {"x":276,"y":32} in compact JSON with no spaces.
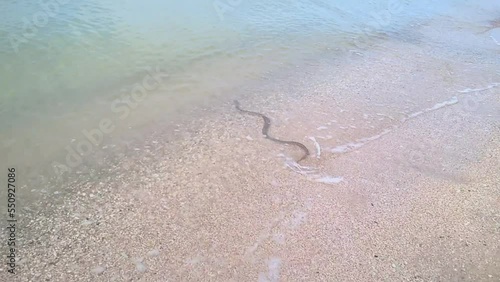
{"x":265,"y":130}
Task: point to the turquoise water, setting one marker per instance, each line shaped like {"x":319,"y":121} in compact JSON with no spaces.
{"x":66,"y":65}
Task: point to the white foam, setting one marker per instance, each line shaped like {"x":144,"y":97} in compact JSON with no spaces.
{"x":325,"y":137}
{"x":330,"y":180}
{"x":358,"y":143}
{"x":452,"y":101}
{"x":495,"y":35}
{"x":311,"y":172}
{"x":293,"y":165}
{"x":415,"y":114}
{"x":495,"y":40}
{"x":340,"y":149}
{"x":469,"y":90}
{"x":318,"y":148}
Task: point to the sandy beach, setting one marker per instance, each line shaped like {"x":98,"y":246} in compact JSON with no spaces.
{"x":402,"y":183}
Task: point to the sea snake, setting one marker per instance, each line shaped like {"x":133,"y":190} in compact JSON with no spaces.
{"x":265,"y":130}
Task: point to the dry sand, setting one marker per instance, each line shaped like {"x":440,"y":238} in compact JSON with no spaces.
{"x":405,"y":188}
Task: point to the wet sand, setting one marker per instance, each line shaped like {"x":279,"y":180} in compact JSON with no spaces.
{"x":404,"y":187}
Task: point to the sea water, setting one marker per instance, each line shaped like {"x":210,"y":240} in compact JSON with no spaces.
{"x":65,"y":66}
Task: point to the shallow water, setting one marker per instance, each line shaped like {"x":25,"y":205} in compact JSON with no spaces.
{"x":133,"y":163}
{"x":69,"y":65}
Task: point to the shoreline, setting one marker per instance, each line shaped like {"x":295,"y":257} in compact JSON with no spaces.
{"x":220,"y":202}
{"x":281,"y":81}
